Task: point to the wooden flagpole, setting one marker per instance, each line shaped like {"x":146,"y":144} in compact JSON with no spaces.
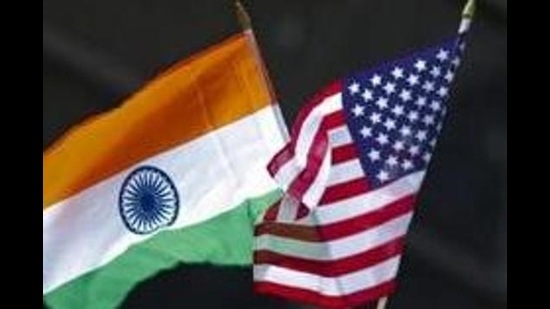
{"x":242,"y":16}
{"x":382,"y":303}
{"x":246,"y":25}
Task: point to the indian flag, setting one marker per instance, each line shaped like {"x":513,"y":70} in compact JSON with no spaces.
{"x":175,"y":174}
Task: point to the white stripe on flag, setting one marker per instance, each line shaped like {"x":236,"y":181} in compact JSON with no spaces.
{"x":212,"y":174}
{"x":311,"y":126}
{"x":340,"y":136}
{"x":291,"y":169}
{"x":346,"y":171}
{"x":362,"y":204}
{"x":339,"y":248}
{"x":343,"y":285}
{"x":315,"y":191}
{"x":288,"y":210}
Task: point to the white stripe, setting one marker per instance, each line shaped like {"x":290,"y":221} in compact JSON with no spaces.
{"x":328,"y":286}
{"x":291,"y":169}
{"x":212,"y":173}
{"x":315,"y":191}
{"x":364,"y":203}
{"x":339,"y":248}
{"x":311,"y":126}
{"x":345,"y":171}
{"x":340,"y":136}
{"x":288,"y":209}
{"x":286,"y":174}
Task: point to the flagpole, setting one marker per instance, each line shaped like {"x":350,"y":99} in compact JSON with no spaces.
{"x":467,"y":14}
{"x":246,"y":25}
{"x":382,"y":303}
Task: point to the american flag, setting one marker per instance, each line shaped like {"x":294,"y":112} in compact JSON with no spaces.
{"x":351,"y":172}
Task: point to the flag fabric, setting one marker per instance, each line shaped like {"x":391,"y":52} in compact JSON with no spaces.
{"x":175,"y":174}
{"x":351,"y":172}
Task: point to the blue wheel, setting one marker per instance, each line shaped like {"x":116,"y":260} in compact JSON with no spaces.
{"x":148,"y":200}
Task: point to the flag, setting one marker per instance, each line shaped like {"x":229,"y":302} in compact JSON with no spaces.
{"x":358,"y":154}
{"x":175,"y":174}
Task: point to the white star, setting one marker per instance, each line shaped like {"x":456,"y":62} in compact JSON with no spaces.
{"x":367,"y":95}
{"x":383,"y":176}
{"x":456,"y":61}
{"x":399,"y":145}
{"x":414,"y":150}
{"x":382,"y":103}
{"x":375,"y":118}
{"x":442,"y":55}
{"x":412,"y":79}
{"x":382,"y":139}
{"x":421,"y":101}
{"x":428,"y":120}
{"x":358,"y":110}
{"x":398,"y":110}
{"x":376,"y":80}
{"x":428,"y":86}
{"x":397,"y":73}
{"x":420,"y":65}
{"x":433,"y":142}
{"x":421,"y":135}
{"x":462,"y":46}
{"x":412,"y":116}
{"x":389,"y":124}
{"x":366,"y":132}
{"x":392,"y":161}
{"x":407,"y":164}
{"x":354,"y":88}
{"x":374,"y":155}
{"x":405,"y":131}
{"x":436,"y":71}
{"x":435,"y":106}
{"x":443,"y":91}
{"x":439,"y":127}
{"x":449,"y":76}
{"x":389,"y":88}
{"x":426,"y":157}
{"x":405,"y":95}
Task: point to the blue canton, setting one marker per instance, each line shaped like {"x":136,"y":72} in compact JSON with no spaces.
{"x":395,"y":111}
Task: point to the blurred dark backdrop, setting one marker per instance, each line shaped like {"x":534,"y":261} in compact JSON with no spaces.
{"x":95,"y":53}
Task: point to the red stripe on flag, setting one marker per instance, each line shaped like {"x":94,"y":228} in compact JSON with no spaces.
{"x":317,"y":299}
{"x":317,"y":98}
{"x":316,"y":153}
{"x":271,"y":213}
{"x":328,"y":232}
{"x":345,"y":190}
{"x":303,"y":211}
{"x":283,"y":156}
{"x":315,"y":156}
{"x":344,"y":153}
{"x":333,"y":268}
{"x":334,"y":120}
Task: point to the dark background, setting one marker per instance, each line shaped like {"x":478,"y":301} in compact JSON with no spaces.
{"x":95,"y":53}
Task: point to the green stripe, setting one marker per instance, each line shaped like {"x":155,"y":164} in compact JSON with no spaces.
{"x":224,"y":240}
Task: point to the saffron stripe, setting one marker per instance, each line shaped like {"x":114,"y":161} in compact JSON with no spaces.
{"x":84,"y":156}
